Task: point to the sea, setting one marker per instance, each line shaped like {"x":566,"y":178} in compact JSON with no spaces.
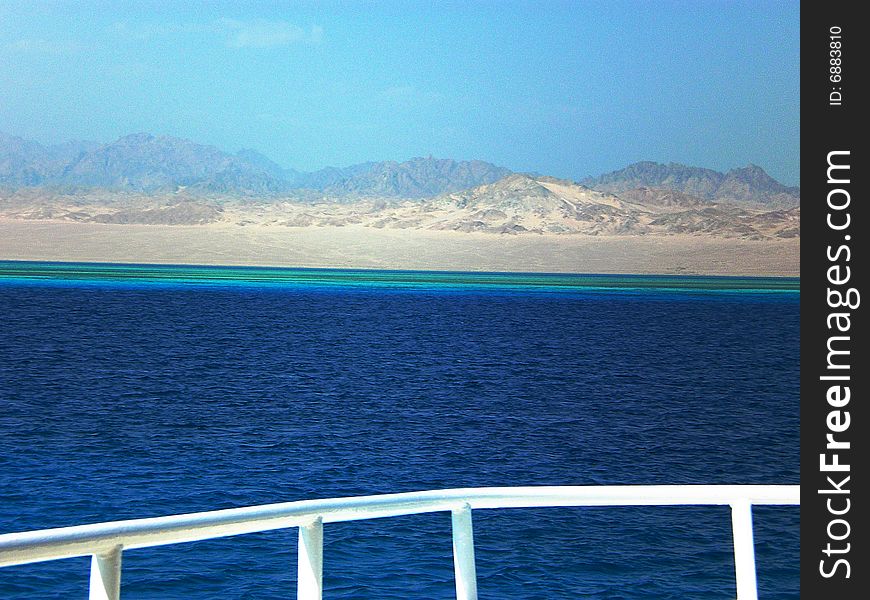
{"x":132,"y":391}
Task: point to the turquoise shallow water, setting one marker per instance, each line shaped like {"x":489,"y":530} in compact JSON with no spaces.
{"x":133,"y":391}
{"x":59,"y":273}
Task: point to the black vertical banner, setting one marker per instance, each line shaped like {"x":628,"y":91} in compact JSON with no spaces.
{"x":834,"y":390}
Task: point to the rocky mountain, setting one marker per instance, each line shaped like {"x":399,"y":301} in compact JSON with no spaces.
{"x":138,"y":162}
{"x":27,"y":163}
{"x":748,"y":185}
{"x":331,"y":177}
{"x":145,"y":163}
{"x":415,"y":178}
{"x":266,"y":164}
{"x":68,"y":151}
{"x":21,"y":162}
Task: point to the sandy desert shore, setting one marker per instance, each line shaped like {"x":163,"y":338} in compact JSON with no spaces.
{"x":370,"y":248}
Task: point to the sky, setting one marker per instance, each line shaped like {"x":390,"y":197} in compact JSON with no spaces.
{"x":567,"y":89}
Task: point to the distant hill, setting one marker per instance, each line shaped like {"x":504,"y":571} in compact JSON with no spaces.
{"x":416,"y":178}
{"x":266,"y":164}
{"x":139,"y":162}
{"x":143,"y":162}
{"x":747,"y":185}
{"x":27,"y":163}
{"x":331,"y":177}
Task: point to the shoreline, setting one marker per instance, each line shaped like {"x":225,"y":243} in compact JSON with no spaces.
{"x":355,"y":247}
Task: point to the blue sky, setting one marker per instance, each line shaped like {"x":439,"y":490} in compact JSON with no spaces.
{"x":564,"y":88}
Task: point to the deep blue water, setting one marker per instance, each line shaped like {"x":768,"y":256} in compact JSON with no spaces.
{"x":121,"y":401}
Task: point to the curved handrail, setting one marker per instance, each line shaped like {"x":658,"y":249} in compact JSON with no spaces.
{"x":105,"y":540}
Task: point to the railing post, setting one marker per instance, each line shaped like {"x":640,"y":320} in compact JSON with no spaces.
{"x":106,"y":575}
{"x":463,"y":554}
{"x":744,"y":550}
{"x":309,"y":581}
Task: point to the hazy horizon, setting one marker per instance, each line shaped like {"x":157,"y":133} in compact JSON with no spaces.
{"x":570,"y":91}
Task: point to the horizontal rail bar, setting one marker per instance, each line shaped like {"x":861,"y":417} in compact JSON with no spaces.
{"x":100,"y":538}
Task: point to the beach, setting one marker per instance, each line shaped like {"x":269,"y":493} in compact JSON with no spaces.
{"x":372,"y":248}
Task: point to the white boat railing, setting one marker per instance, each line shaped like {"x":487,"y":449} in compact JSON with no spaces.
{"x":104,"y":542}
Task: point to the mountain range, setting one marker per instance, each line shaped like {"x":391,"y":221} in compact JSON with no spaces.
{"x":747,"y":185}
{"x":146,"y":163}
{"x":142,"y":178}
{"x":150,"y":164}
